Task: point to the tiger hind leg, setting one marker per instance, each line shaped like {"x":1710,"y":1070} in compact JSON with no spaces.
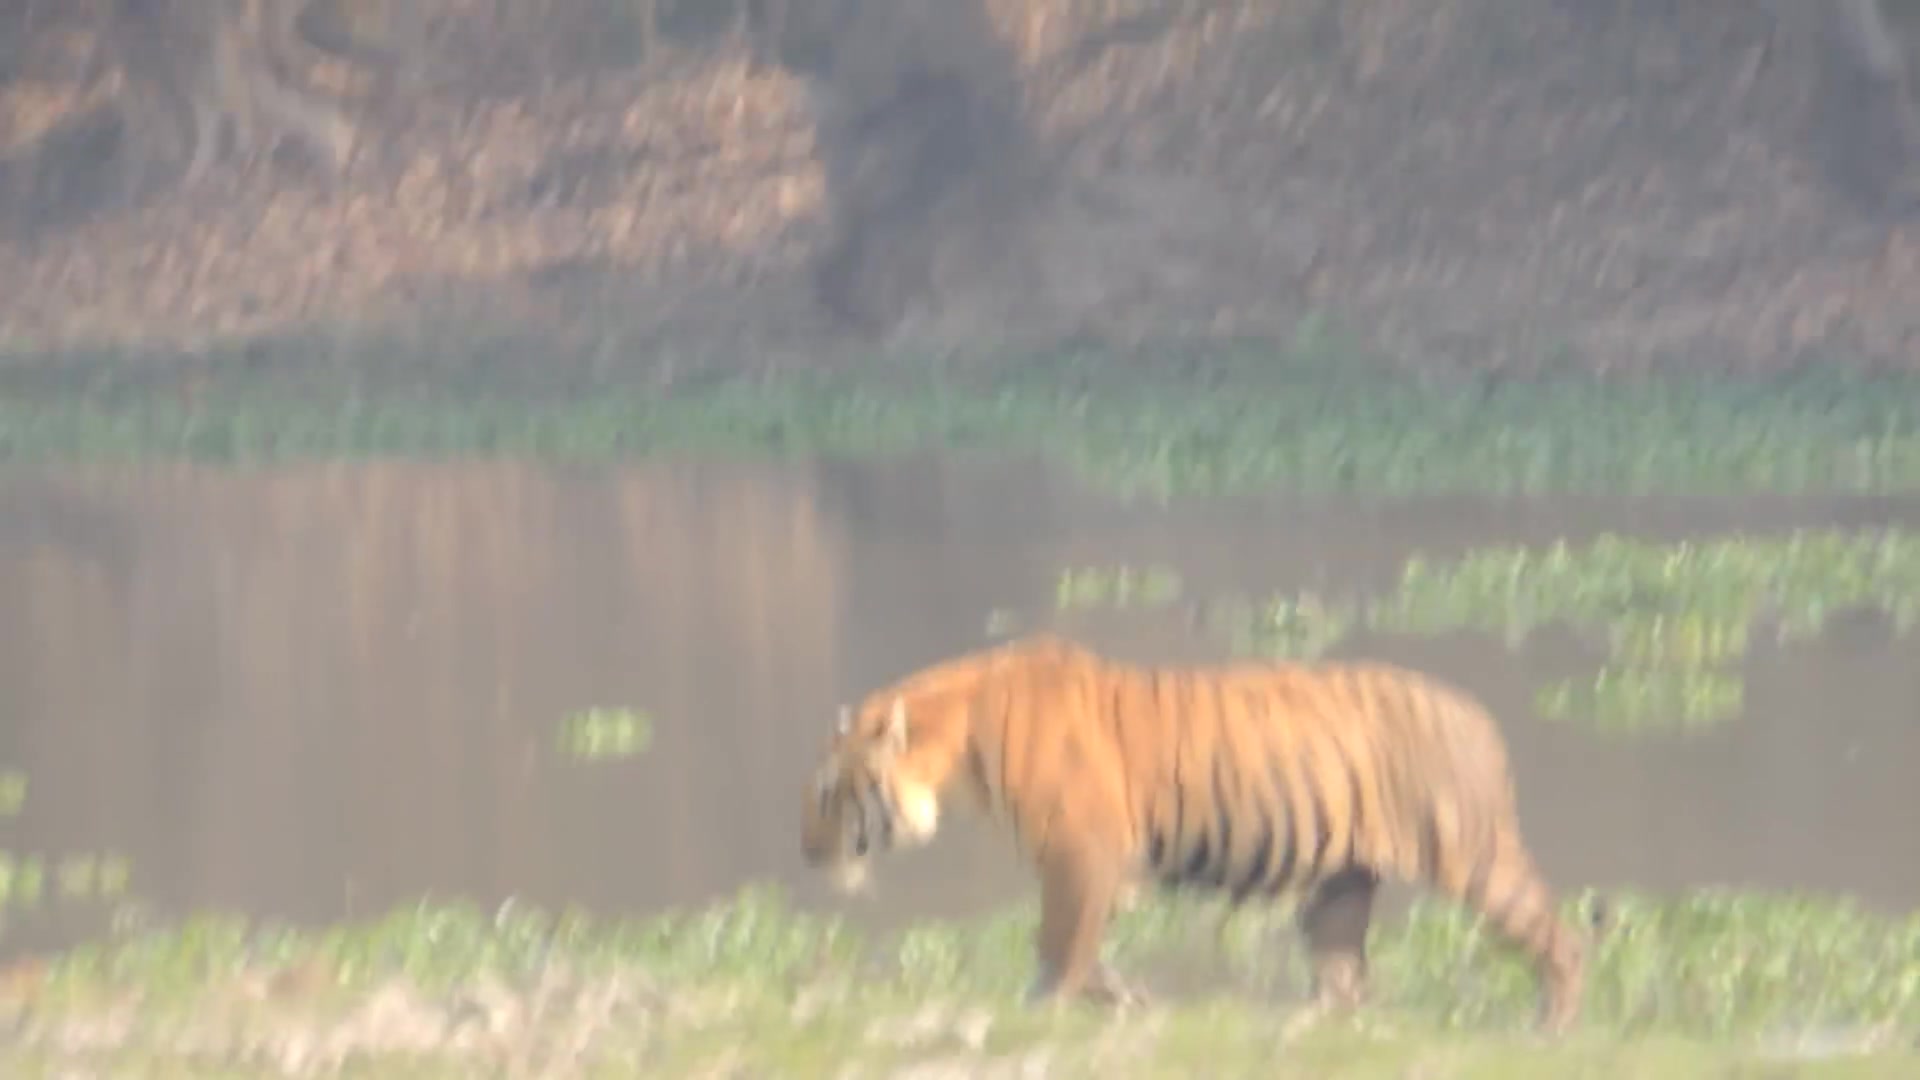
{"x":1510,"y":893}
{"x":1334,"y":922}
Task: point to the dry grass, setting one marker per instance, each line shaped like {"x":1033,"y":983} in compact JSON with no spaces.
{"x":1619,"y":189}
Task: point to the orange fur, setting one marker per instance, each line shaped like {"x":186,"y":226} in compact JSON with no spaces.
{"x":1254,"y":778}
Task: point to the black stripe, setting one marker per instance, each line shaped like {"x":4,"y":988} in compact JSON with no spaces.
{"x":1005,"y":704}
{"x":977,"y":768}
{"x":1261,"y":791}
{"x":1323,"y":824}
{"x":1194,"y":872}
{"x":1430,"y":858}
{"x":1181,"y":855}
{"x":1223,"y":814}
{"x":1483,"y":856}
{"x":889,"y":814}
{"x":1115,"y":726}
{"x":1263,"y":849}
{"x":1356,"y":791}
{"x":1179,"y":837}
{"x":1285,"y":801}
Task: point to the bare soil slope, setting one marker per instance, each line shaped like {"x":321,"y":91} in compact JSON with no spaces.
{"x":1457,"y":182}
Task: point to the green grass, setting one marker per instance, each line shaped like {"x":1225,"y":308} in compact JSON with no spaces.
{"x":1710,"y":981}
{"x":1228,"y":422}
{"x":1710,"y":984}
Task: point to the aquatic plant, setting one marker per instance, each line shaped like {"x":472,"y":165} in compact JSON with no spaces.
{"x":32,"y":881}
{"x":1119,"y":587}
{"x":603,"y":732}
{"x":1675,"y":620}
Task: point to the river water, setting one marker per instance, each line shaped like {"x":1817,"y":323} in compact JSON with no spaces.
{"x":321,"y":690}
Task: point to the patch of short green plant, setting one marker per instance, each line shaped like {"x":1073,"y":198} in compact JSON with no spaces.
{"x":1118,"y":587}
{"x":31,"y":881}
{"x":1242,"y":421}
{"x":1676,"y":619}
{"x":605,"y":733}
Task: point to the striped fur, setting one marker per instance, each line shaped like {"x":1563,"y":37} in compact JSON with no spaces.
{"x":1254,"y":779}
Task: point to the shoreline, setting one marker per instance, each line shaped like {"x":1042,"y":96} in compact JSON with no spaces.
{"x":1252,"y":419}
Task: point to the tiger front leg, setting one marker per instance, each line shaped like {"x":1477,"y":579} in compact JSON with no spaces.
{"x":1334,"y":921}
{"x":1079,"y":893}
{"x":1107,"y":987}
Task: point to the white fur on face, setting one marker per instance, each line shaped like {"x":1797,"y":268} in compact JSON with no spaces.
{"x":849,"y":877}
{"x":919,"y":813}
{"x":909,"y":812}
{"x":918,"y":821}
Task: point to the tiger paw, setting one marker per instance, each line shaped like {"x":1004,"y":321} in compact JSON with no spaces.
{"x":1123,"y":996}
{"x":1109,"y":988}
{"x":1305,"y":1019}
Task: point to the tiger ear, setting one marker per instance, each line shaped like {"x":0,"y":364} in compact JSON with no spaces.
{"x":845,"y":723}
{"x":897,"y":726}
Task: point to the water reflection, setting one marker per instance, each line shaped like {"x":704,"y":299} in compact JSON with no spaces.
{"x":323,"y":690}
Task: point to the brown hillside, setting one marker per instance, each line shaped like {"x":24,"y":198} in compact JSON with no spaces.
{"x":1459,"y":182}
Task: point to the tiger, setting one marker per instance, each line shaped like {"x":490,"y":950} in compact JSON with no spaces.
{"x":1252,"y":779}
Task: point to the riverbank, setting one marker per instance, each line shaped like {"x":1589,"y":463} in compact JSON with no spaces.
{"x":1681,"y":986}
{"x":1311,"y":417}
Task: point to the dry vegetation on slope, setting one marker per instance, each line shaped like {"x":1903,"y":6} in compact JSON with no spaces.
{"x":1465,"y":182}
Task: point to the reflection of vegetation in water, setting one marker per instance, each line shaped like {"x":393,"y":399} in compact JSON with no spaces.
{"x":1253,"y":421}
{"x":602,"y":733}
{"x":1676,"y":617}
{"x":754,"y":987}
{"x":1114,"y":588}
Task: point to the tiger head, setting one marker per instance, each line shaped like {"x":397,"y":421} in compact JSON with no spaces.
{"x":869,"y":795}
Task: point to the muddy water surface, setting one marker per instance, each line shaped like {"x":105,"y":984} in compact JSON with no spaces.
{"x":324,"y":690}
